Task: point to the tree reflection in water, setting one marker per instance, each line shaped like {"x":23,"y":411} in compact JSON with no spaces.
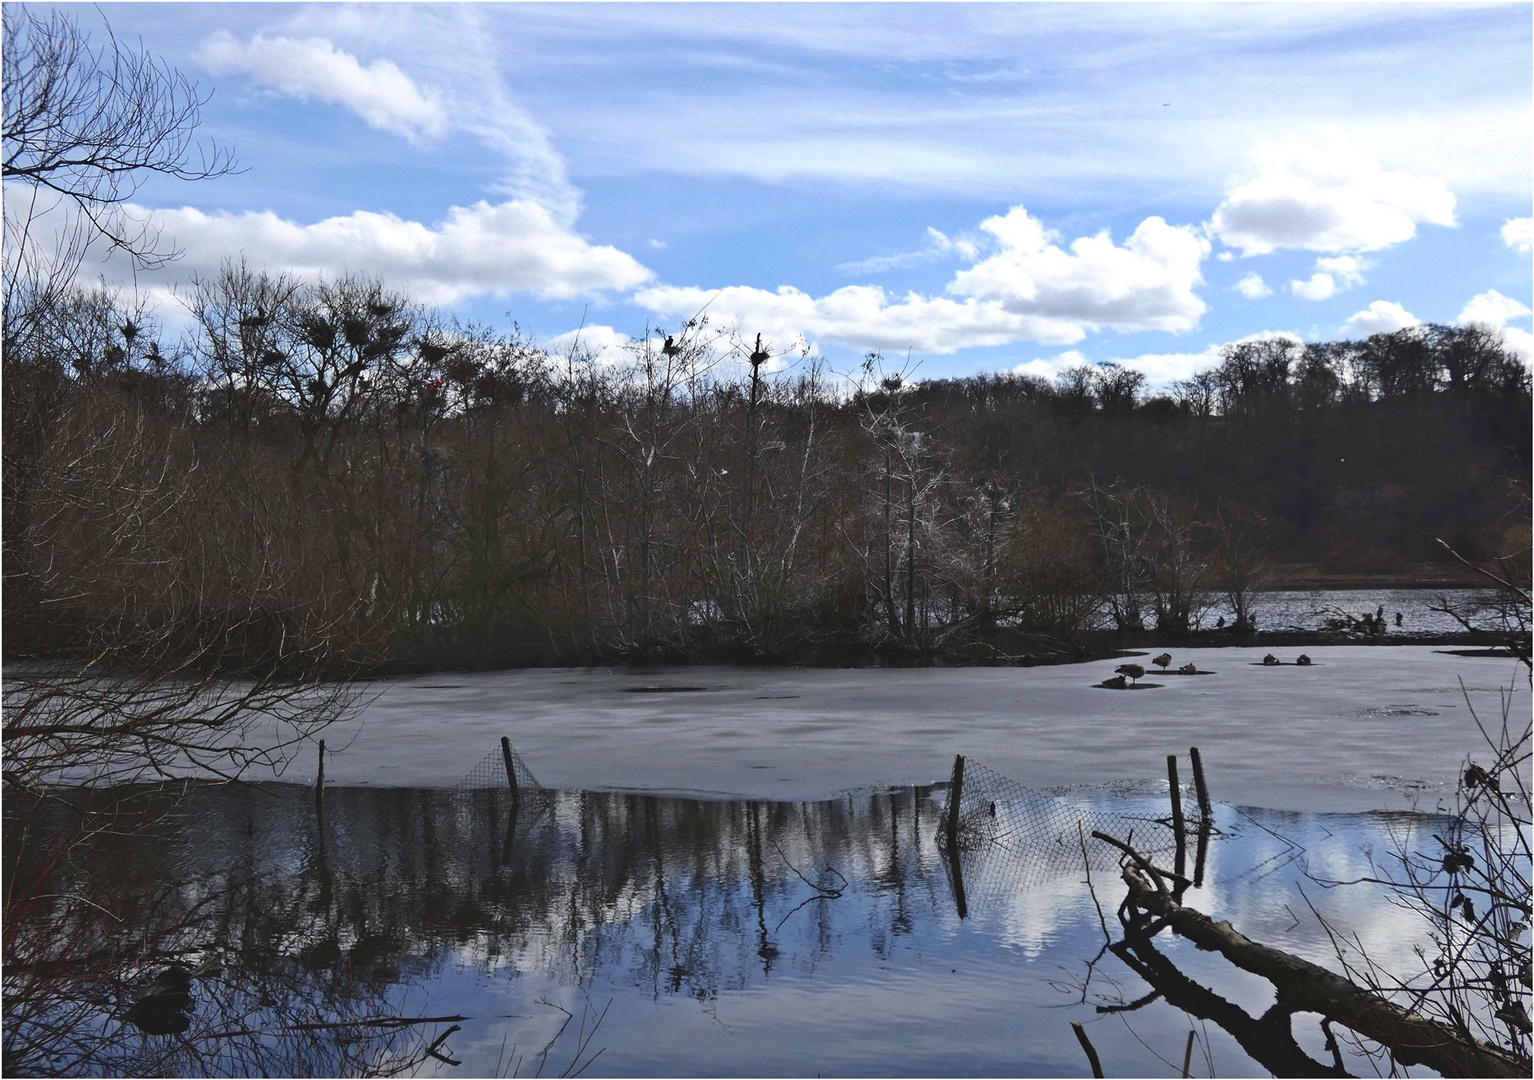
{"x":302,"y":934}
{"x":399,"y":903}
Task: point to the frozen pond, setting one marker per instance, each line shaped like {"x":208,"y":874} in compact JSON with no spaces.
{"x":711,"y":937}
{"x":1363,"y":728}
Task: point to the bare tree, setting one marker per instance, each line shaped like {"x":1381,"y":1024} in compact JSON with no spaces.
{"x":85,"y":128}
{"x":1239,"y":570}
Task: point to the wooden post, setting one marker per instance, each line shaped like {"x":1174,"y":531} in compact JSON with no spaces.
{"x":955,"y":794}
{"x":1086,"y":1044}
{"x":511,"y":774}
{"x":1178,"y":825}
{"x":1204,"y":810}
{"x":1187,"y":1057}
{"x":319,"y":779}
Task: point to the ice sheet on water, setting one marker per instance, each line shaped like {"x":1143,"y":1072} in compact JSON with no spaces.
{"x":1282,"y":737}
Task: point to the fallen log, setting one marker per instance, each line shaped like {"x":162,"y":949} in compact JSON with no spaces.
{"x":1306,"y":987}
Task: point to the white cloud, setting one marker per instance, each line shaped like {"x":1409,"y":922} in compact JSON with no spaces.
{"x":1160,"y":369}
{"x":379,"y":92}
{"x":938,"y":246}
{"x":1380,"y":317}
{"x":1333,"y":275}
{"x":1319,"y":286}
{"x":1147,"y":284}
{"x":1048,"y":368}
{"x":1253,"y":287}
{"x":1492,"y":309}
{"x":1029,"y":289}
{"x":1519,"y":342}
{"x":1327,"y":196}
{"x":455,"y":51}
{"x":1518,"y":233}
{"x":861,"y":317}
{"x":479,"y":250}
{"x":602,"y":344}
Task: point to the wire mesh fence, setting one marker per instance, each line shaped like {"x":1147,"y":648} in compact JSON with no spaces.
{"x":1009,"y":836}
{"x":484,"y":788}
{"x":491,"y":773}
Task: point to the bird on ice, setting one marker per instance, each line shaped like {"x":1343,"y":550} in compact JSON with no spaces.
{"x":1270,"y":660}
{"x":1188,"y":669}
{"x":1163,"y":660}
{"x":1134,"y":671}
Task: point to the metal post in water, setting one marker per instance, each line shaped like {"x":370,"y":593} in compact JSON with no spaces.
{"x":319,"y":779}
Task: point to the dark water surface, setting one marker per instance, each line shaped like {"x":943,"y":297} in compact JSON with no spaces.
{"x":709,"y":937}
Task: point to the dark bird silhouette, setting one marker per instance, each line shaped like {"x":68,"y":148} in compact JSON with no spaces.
{"x":1221,"y":624}
{"x":1303,"y":661}
{"x":1398,"y":618}
{"x":1115,"y":683}
{"x":1134,"y":671}
{"x":1163,"y":660}
{"x":1270,"y":660}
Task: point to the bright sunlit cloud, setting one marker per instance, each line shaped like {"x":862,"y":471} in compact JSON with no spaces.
{"x":1253,"y":287}
{"x":1028,"y":288}
{"x":1327,"y":196}
{"x":1380,"y":317}
{"x":1494,"y":311}
{"x":1333,"y":275}
{"x":1518,"y":234}
{"x":480,"y":250}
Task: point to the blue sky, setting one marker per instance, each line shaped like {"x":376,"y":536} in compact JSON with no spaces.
{"x":986,"y":187}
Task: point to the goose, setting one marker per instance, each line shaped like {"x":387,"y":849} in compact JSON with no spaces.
{"x":1270,"y":660}
{"x":1303,"y":661}
{"x":1115,"y":683}
{"x":1134,"y":671}
{"x":1188,"y":669}
{"x":1163,"y":660}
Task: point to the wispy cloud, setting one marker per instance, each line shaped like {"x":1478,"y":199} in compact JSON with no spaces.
{"x":939,"y":246}
{"x":454,"y":49}
{"x":313,"y":68}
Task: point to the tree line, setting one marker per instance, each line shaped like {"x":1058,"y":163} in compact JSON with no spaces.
{"x":328,"y":466}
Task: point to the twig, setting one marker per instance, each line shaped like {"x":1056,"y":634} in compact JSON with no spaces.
{"x":1086,"y":1044}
